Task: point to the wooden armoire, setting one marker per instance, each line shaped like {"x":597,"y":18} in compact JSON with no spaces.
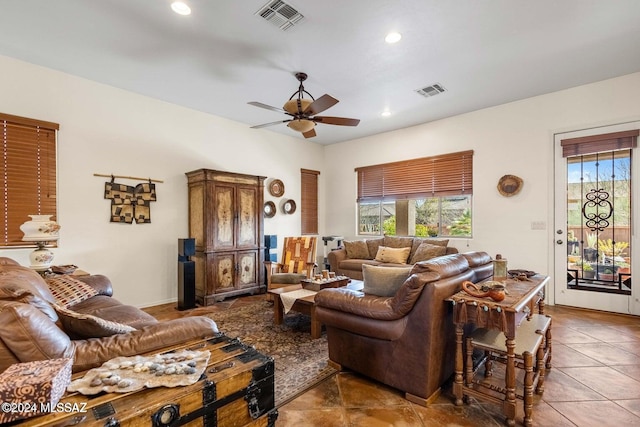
{"x":226,"y":219}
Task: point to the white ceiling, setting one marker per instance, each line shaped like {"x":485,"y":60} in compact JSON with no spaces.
{"x":484,"y":52}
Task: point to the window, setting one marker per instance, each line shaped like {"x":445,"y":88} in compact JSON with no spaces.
{"x":430,"y":196}
{"x":27,"y":174}
{"x":309,"y":201}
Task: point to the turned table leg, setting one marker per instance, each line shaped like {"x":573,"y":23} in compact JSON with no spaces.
{"x":510,"y":383}
{"x":457,"y":385}
{"x":528,"y":388}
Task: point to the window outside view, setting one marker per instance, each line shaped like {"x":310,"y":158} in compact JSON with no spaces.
{"x":447,"y":216}
{"x":598,"y":221}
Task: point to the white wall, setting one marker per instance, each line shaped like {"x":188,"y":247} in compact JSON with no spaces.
{"x":107,"y":130}
{"x":514,"y":138}
{"x":111,"y":131}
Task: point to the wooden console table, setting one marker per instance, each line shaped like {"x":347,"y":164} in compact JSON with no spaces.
{"x":504,"y":316}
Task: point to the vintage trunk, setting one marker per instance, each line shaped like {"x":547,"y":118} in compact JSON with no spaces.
{"x":236,"y":389}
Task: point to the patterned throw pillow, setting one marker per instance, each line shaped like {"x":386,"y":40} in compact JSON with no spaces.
{"x":69,"y":291}
{"x":427,"y":251}
{"x":79,"y":325}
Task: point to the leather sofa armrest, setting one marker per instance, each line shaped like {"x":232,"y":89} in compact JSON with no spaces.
{"x":375,"y":307}
{"x":335,"y":256}
{"x":100,"y":283}
{"x":93,"y":352}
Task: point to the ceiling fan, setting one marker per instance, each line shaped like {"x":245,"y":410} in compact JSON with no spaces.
{"x":303,"y":111}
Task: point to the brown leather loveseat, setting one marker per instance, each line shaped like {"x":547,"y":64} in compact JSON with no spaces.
{"x":33,"y":330}
{"x":407,"y":340}
{"x":348,"y":260}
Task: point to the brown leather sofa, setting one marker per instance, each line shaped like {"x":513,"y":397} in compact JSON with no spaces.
{"x":406,"y":341}
{"x":349,"y":264}
{"x":30,"y":326}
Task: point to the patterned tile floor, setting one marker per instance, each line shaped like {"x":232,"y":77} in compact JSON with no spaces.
{"x":595,"y":381}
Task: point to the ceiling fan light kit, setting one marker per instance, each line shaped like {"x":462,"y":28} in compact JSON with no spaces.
{"x":303,"y":111}
{"x":301,"y":125}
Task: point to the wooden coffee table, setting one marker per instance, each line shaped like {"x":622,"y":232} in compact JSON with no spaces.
{"x":305,"y":305}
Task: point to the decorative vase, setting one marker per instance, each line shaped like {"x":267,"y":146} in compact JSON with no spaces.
{"x":499,"y":269}
{"x":41,"y":258}
{"x":40,"y":229}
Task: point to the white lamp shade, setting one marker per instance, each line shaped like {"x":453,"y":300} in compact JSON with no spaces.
{"x":40,"y":229}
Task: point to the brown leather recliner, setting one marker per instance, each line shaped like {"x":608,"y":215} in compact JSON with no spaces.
{"x":406,"y":341}
{"x":29,"y":330}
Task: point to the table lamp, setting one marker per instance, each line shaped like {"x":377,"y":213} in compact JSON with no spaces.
{"x":41,"y":230}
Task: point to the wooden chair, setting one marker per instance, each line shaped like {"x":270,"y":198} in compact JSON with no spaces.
{"x":532,"y":353}
{"x":298,"y":262}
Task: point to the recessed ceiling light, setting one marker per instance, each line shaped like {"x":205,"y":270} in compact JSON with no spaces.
{"x":180,"y":8}
{"x":385,"y":113}
{"x":393,"y":37}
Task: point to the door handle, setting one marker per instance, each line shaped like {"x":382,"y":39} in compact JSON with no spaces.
{"x":559,"y":241}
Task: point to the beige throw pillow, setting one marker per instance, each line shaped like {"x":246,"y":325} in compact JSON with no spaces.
{"x":427,"y":251}
{"x":356,"y":249}
{"x":383,"y":281}
{"x":392,"y":255}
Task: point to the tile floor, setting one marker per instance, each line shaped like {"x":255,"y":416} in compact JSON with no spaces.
{"x":595,"y":381}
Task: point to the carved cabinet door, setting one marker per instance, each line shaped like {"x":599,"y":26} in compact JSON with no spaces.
{"x":247,"y":234}
{"x":224,"y":271}
{"x":224,"y":217}
{"x":247,"y":268}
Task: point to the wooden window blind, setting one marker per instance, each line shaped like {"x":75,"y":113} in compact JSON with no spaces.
{"x":443,"y":175}
{"x":309,"y":201}
{"x":27,"y":174}
{"x":597,"y":143}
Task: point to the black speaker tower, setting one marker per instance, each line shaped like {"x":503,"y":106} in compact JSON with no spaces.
{"x":186,"y":274}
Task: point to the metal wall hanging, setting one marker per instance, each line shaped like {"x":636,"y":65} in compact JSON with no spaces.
{"x":269,"y":209}
{"x":276,"y":188}
{"x":289,"y":206}
{"x":130,"y":203}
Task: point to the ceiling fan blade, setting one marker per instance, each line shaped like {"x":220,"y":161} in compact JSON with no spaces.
{"x":320,"y":104}
{"x":267,"y":107}
{"x":341,"y":121}
{"x":310,"y":134}
{"x":269,"y":124}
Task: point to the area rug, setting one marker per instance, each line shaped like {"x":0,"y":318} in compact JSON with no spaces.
{"x":300,"y":362}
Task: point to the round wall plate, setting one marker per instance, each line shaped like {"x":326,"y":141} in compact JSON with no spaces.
{"x":289,"y":206}
{"x":269,"y":209}
{"x":509,"y":185}
{"x":276,"y":188}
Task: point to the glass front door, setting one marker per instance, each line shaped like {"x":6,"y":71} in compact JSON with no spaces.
{"x":594,"y":237}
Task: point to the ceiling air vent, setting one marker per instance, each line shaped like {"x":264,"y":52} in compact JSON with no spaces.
{"x":280,"y":14}
{"x":433,"y":90}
